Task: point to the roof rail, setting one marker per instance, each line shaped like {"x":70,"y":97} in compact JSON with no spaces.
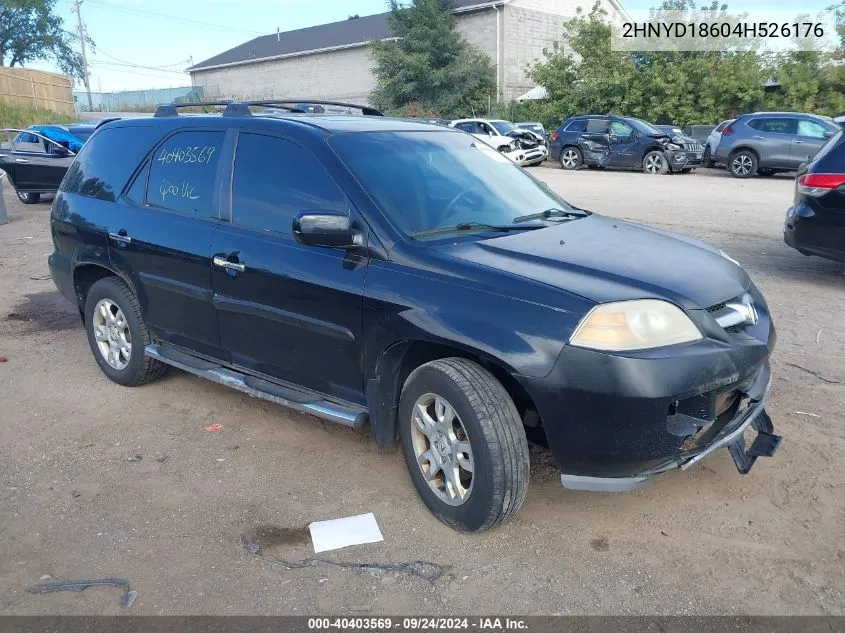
{"x":365,"y":110}
{"x":241,"y":108}
{"x":172,"y":109}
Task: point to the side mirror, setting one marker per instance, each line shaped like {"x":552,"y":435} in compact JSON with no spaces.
{"x":323,"y":228}
{"x":58,"y":151}
{"x":829,"y":134}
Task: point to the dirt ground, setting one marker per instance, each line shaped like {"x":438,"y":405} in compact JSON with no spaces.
{"x":99,"y":480}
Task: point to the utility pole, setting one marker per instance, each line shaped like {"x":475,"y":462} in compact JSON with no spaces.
{"x":77,"y":5}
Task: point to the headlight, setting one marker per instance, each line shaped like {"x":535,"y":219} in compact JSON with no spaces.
{"x":631,"y":325}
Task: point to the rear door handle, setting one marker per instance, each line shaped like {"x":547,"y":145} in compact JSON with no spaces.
{"x":799,"y":142}
{"x":120,"y":236}
{"x":761,"y":137}
{"x":21,"y":160}
{"x":222,"y":262}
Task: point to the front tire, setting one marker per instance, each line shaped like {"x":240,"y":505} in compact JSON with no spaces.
{"x":743,"y":164}
{"x":118,"y":335}
{"x":655,"y":163}
{"x":571,"y":158}
{"x":27,"y":197}
{"x":464,"y":444}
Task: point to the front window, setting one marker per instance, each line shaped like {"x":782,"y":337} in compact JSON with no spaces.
{"x":642,"y":127}
{"x":424,"y":181}
{"x":503,"y":127}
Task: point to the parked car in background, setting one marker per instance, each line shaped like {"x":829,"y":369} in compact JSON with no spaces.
{"x":815,"y":224}
{"x":599,"y":141}
{"x":768,"y":142}
{"x":505,"y":136}
{"x":698,"y":132}
{"x":34,"y":163}
{"x":712,"y":143}
{"x":535,"y":127}
{"x":690,"y":143}
{"x":410,"y":280}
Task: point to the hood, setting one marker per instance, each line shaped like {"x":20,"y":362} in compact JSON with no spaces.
{"x":603,"y":260}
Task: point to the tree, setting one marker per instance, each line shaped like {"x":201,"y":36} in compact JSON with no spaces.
{"x":429,"y":69}
{"x":31,"y":30}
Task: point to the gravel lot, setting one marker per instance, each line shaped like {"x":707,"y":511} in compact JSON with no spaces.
{"x":76,"y":502}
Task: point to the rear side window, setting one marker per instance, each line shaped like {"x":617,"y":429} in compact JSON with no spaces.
{"x":468,"y":126}
{"x":274,"y":180}
{"x":183,"y":171}
{"x":104,"y":165}
{"x":577,"y":125}
{"x":597,"y":126}
{"x":774,"y":125}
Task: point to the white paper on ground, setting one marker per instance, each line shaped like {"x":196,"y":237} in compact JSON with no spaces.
{"x":338,"y":533}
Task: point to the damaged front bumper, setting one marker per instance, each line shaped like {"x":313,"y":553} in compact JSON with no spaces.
{"x":732,"y":436}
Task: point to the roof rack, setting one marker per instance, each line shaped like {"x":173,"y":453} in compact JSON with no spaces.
{"x":172,"y":109}
{"x":241,"y":108}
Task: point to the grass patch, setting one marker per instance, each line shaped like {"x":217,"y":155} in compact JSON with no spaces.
{"x":18,"y":116}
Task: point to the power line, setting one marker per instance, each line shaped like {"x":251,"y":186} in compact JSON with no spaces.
{"x":173,"y":18}
{"x":100,"y":51}
{"x":133,"y":72}
{"x":128,"y":65}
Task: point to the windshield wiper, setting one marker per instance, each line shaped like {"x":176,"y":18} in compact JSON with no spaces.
{"x":471,"y":226}
{"x":548,"y":213}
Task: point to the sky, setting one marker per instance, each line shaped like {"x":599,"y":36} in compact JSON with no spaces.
{"x":148,"y":43}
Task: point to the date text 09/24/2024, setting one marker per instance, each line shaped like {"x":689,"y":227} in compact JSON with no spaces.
{"x":418,"y":624}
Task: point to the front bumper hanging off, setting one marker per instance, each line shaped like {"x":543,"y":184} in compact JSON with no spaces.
{"x":765,"y":444}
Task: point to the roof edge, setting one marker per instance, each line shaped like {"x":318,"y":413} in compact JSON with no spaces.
{"x":311,"y":51}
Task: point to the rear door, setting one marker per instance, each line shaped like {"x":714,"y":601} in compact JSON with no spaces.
{"x":772,"y":139}
{"x":808,"y":140}
{"x":161,"y":238}
{"x":594,"y":142}
{"x":287,"y":311}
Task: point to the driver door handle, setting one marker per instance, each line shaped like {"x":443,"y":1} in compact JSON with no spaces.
{"x":222,"y":262}
{"x":21,"y":160}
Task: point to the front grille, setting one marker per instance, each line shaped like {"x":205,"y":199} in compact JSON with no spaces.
{"x":694,"y":147}
{"x":717,"y":307}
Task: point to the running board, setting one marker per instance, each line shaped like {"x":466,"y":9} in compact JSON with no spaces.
{"x":292,"y":397}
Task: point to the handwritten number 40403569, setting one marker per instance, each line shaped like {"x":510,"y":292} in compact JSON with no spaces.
{"x":188,"y":154}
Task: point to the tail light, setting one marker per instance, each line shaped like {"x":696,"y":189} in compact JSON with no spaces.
{"x":554,"y":136}
{"x":819,"y":184}
{"x":727,"y":131}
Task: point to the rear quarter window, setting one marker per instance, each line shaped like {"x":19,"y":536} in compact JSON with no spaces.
{"x":576,"y":126}
{"x":104,"y":164}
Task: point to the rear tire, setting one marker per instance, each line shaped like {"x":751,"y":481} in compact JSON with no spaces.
{"x":742,"y":164}
{"x":28,"y":198}
{"x":571,"y":158}
{"x":118,"y":335}
{"x":464,"y":444}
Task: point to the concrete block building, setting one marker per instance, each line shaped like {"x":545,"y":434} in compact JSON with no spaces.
{"x":332,"y":61}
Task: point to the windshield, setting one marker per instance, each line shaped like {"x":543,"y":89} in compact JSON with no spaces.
{"x":535,"y":127}
{"x":503,"y":127}
{"x":424,"y":181}
{"x":642,"y":127}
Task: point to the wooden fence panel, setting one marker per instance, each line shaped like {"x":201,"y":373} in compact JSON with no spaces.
{"x":37,"y":88}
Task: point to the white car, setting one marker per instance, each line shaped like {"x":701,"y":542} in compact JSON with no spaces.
{"x":496,"y":132}
{"x":712,"y":143}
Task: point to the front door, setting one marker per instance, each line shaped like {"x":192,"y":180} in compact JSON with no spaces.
{"x":287,"y":311}
{"x":808,"y":140}
{"x":35,"y":167}
{"x":623,"y":145}
{"x":160,"y":238}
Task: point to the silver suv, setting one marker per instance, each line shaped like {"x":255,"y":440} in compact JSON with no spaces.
{"x":768,"y":142}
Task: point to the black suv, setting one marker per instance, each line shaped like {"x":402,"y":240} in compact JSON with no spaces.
{"x":815,"y":224}
{"x":599,"y":141}
{"x":409,"y":278}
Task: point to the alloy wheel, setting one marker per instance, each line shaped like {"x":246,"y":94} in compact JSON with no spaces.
{"x":442,"y":449}
{"x":111,"y":331}
{"x":569,"y":159}
{"x":741,"y":165}
{"x":653,"y":164}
